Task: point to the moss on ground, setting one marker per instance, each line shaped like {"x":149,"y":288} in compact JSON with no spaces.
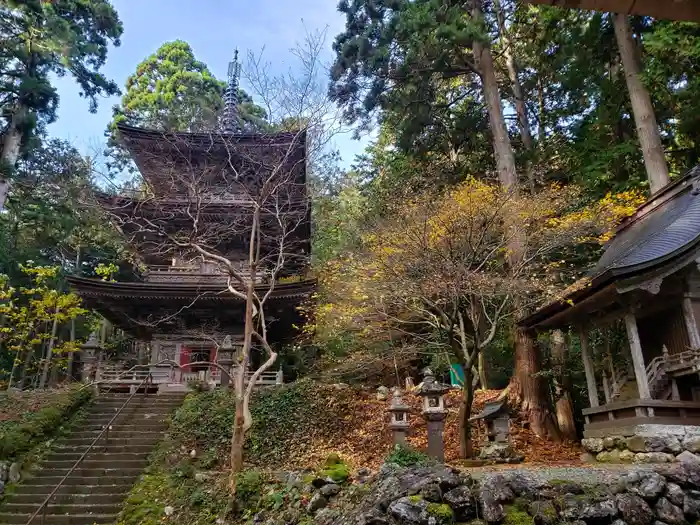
{"x":442,"y":512}
{"x":515,"y":516}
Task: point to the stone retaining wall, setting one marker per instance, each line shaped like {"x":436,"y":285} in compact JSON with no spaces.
{"x":647,"y":444}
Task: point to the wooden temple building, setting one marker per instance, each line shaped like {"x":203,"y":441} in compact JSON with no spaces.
{"x":205,"y":186}
{"x":688,"y":10}
{"x":644,"y":294}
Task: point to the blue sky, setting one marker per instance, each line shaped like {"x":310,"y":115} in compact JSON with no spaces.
{"x":214,"y":28}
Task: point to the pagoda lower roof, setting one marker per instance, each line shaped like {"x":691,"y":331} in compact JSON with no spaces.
{"x":145,"y":308}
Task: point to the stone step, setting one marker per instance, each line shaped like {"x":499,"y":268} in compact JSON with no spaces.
{"x":83,"y":479}
{"x":120,"y":433}
{"x":111,"y":442}
{"x":132,"y":405}
{"x":64,"y":508}
{"x":125,"y":427}
{"x":109,"y":447}
{"x":44,"y":490}
{"x":91,"y":471}
{"x":35,"y":499}
{"x":96,"y":462}
{"x":58,"y":519}
{"x":96,"y":454}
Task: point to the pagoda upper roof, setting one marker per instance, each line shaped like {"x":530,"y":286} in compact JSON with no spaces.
{"x":663,"y":232}
{"x":155,"y":152}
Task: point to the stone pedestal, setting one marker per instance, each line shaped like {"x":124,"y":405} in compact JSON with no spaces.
{"x":436,"y":424}
{"x":225,"y":361}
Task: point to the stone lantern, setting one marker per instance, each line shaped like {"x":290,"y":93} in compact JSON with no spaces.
{"x":89,"y":354}
{"x":226,"y":360}
{"x":434,"y":412}
{"x":399,"y":418}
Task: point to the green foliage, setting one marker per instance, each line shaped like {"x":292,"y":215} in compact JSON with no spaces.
{"x":249,"y":488}
{"x":515,"y":516}
{"x":336,"y":469}
{"x":404,"y":456}
{"x":18,"y":437}
{"x":44,"y":40}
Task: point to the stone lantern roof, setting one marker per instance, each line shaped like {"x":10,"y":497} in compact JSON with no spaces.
{"x":430,"y":386}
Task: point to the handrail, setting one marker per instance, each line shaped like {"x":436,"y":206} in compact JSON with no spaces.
{"x":45,"y":504}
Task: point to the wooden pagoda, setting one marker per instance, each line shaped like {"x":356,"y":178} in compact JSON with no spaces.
{"x":645,"y":289}
{"x":190,"y":225}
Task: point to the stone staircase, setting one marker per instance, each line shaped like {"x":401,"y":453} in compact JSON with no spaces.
{"x":95,"y":491}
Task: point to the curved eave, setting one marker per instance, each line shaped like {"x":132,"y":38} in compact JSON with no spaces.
{"x":213,"y":137}
{"x":178,"y":291}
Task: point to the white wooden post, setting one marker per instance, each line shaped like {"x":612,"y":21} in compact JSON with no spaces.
{"x":691,"y":324}
{"x":588,"y":368}
{"x":640,"y":372}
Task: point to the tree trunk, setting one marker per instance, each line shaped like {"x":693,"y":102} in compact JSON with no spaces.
{"x":645,"y":120}
{"x":505,"y":159}
{"x":482,"y":371}
{"x":49,"y":351}
{"x":528,"y":389}
{"x":518,"y":93}
{"x":564,"y":408}
{"x":466,"y":446}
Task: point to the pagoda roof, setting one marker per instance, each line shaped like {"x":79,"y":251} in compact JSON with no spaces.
{"x":136,"y":306}
{"x":663,"y":232}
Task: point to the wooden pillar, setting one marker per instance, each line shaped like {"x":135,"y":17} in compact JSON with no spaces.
{"x":691,"y":323}
{"x":589,"y":369}
{"x":675,"y":394}
{"x":606,"y":389}
{"x":640,"y":372}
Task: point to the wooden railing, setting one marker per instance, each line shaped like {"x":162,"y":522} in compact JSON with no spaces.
{"x":189,"y":274}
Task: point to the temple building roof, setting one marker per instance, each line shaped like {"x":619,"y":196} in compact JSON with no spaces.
{"x":661,"y":237}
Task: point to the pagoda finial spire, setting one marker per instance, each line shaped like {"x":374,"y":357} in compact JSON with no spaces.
{"x":230,"y":122}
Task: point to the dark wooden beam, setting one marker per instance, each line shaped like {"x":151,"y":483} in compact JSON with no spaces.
{"x":688,"y":10}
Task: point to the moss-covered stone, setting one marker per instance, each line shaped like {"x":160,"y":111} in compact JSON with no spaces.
{"x":441,"y":511}
{"x":415,"y":499}
{"x":515,"y":516}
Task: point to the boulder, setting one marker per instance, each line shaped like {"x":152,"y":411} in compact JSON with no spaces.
{"x":627,"y":456}
{"x":462,"y":502}
{"x":668,"y":512}
{"x":410,"y":511}
{"x":691,"y":466}
{"x":609,"y":456}
{"x":598,"y":510}
{"x":169,"y":511}
{"x":497,"y":486}
{"x":673,"y":472}
{"x":524,"y":484}
{"x":593,"y":445}
{"x":382,"y":393}
{"x":687,"y":457}
{"x":609,"y":443}
{"x":619,"y":522}
{"x":636,"y":444}
{"x":318,"y":501}
{"x":374,"y":517}
{"x":669,"y":444}
{"x":634,"y":510}
{"x":4,"y":471}
{"x":499,"y":452}
{"x":674,"y":494}
{"x":317,"y":483}
{"x":491,"y":510}
{"x":691,"y":443}
{"x":587,"y":457}
{"x":2,"y":488}
{"x":330,"y":490}
{"x":543,"y":512}
{"x":691,"y":503}
{"x":431,"y":492}
{"x":649,"y":485}
{"x":653,"y":457}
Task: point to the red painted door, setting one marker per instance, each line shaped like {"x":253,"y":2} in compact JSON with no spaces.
{"x":184,"y":360}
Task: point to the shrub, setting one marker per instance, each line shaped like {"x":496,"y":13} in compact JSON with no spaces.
{"x":18,"y":437}
{"x":404,"y":456}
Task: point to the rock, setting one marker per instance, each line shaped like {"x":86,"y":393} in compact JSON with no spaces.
{"x":587,"y":457}
{"x":374,"y":517}
{"x":674,"y":472}
{"x":462,"y":503}
{"x":691,"y":443}
{"x":634,"y":510}
{"x":201,"y":477}
{"x":691,"y":503}
{"x":317,"y":483}
{"x":498,"y":486}
{"x":4,"y":471}
{"x":609,"y":456}
{"x":636,"y":444}
{"x":169,"y":511}
{"x":674,"y":494}
{"x":318,"y":501}
{"x":649,"y":485}
{"x":382,"y":393}
{"x":193,"y":453}
{"x":524,"y":484}
{"x":543,"y":512}
{"x":599,"y":510}
{"x":668,"y":512}
{"x":608,"y":443}
{"x":619,"y":522}
{"x":691,"y":466}
{"x":687,"y":457}
{"x":2,"y":488}
{"x":431,"y":492}
{"x":410,"y":511}
{"x":668,"y":444}
{"x":653,"y":457}
{"x":592,"y":445}
{"x":499,"y":452}
{"x":14,"y":475}
{"x":491,"y":510}
{"x":627,"y":456}
{"x":330,"y":490}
